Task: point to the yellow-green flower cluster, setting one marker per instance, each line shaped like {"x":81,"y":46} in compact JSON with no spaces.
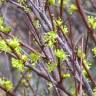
{"x":51,"y":67}
{"x":18,"y":64}
{"x":3,"y":27}
{"x":6,"y":84}
{"x":50,"y":38}
{"x":92,"y":22}
{"x":34,"y":57}
{"x":59,"y":23}
{"x":24,"y":5}
{"x":73,"y":8}
{"x":66,"y":75}
{"x":4,"y":47}
{"x":61,"y":54}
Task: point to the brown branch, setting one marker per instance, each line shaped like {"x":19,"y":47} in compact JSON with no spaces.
{"x":84,"y":18}
{"x":7,"y":92}
{"x":90,"y":32}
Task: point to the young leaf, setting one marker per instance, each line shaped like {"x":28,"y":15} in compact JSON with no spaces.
{"x":6,"y":84}
{"x":61,"y":54}
{"x":18,"y":64}
{"x":50,"y":38}
{"x":4,"y":47}
{"x":14,"y":43}
{"x":51,"y":67}
{"x":34,"y":57}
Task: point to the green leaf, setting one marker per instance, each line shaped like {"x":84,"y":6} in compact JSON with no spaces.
{"x":91,"y":19}
{"x":50,"y":38}
{"x":7,"y":84}
{"x":14,"y":43}
{"x":51,"y":67}
{"x":5,"y":29}
{"x":1,"y":21}
{"x":21,"y":1}
{"x":4,"y":47}
{"x":34,"y":57}
{"x":61,"y":54}
{"x":50,"y":86}
{"x":64,"y":29}
{"x":18,"y":64}
{"x":24,"y":5}
{"x":59,"y":22}
{"x":37,"y":23}
{"x":92,"y":22}
{"x":73,"y":8}
{"x":67,"y":75}
{"x":81,"y":54}
{"x":24,"y":58}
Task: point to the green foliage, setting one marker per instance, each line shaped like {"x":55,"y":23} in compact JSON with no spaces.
{"x":50,"y":86}
{"x":87,"y":63}
{"x":6,"y":29}
{"x":24,"y":58}
{"x":59,"y":22}
{"x":26,"y":9}
{"x":73,"y":8}
{"x":52,"y":2}
{"x":67,"y":75}
{"x":18,"y":64}
{"x":92,"y":22}
{"x":3,"y":27}
{"x":37,"y":23}
{"x":51,"y":67}
{"x":14,"y":43}
{"x":4,"y":47}
{"x":6,"y":84}
{"x":64,"y":29}
{"x":35,"y":57}
{"x":61,"y":54}
{"x":94,"y":51}
{"x":21,"y":1}
{"x":50,"y":38}
{"x":24,"y":5}
{"x":81,"y":54}
{"x":1,"y":21}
